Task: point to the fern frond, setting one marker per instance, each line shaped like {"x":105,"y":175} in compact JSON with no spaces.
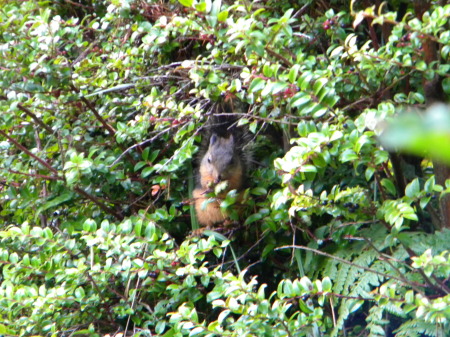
{"x":375,"y":322}
{"x":419,"y":328}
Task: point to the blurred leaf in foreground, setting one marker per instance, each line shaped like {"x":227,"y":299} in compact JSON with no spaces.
{"x":421,"y":134}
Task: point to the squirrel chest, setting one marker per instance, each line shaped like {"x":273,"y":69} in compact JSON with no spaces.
{"x":221,"y":163}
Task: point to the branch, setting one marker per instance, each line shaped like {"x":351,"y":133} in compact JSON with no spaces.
{"x":263,"y":119}
{"x":282,"y":58}
{"x":32,"y":115}
{"x":410,"y":283}
{"x":108,"y":127}
{"x":373,"y":34}
{"x":301,"y":11}
{"x":141,"y":144}
{"x":347,"y":297}
{"x":73,"y":3}
{"x":28,"y":152}
{"x":439,"y":286}
{"x":99,"y":203}
{"x":387,"y":259}
{"x":36,"y":176}
{"x":195,"y":62}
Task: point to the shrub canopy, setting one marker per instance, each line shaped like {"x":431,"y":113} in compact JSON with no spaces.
{"x":103,"y":105}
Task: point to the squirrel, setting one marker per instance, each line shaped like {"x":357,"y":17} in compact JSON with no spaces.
{"x":224,"y":161}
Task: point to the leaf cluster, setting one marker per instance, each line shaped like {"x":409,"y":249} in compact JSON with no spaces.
{"x":103,"y":107}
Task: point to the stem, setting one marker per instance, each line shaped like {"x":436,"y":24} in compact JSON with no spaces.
{"x":98,"y":203}
{"x":282,"y":58}
{"x":28,"y":152}
{"x":410,"y":283}
{"x":108,"y":127}
{"x":439,"y":286}
{"x":36,"y":176}
{"x":32,"y":115}
{"x":387,"y":259}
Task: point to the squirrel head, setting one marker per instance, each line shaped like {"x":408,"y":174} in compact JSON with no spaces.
{"x":221,"y":163}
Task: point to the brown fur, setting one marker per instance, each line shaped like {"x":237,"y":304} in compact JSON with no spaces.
{"x":221,"y":163}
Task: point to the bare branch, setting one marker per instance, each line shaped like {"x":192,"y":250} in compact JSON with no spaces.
{"x":98,"y":203}
{"x":410,"y":283}
{"x":28,"y":152}
{"x":32,"y":115}
{"x":142,"y":144}
{"x":91,"y":107}
{"x":36,"y":176}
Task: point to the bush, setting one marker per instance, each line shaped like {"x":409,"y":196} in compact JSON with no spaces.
{"x":102,"y":117}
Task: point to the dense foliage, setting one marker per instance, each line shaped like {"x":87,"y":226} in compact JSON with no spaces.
{"x":102,"y":108}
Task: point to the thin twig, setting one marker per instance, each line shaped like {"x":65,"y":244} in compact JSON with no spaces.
{"x":28,"y":152}
{"x":84,"y":53}
{"x":99,"y":292}
{"x":387,"y":259}
{"x":73,"y":3}
{"x":300,"y":11}
{"x":142,"y":144}
{"x":282,"y":58}
{"x":259,"y":118}
{"x":195,"y":62}
{"x":440,"y":286}
{"x":36,"y":176}
{"x":98,"y":203}
{"x":247,"y":252}
{"x":410,"y":283}
{"x":32,"y":115}
{"x":108,"y":127}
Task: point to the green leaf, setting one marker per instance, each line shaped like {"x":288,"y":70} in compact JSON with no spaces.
{"x":186,"y":3}
{"x":318,"y":85}
{"x":327,"y":285}
{"x":258,"y":191}
{"x":300,"y":99}
{"x":424,"y":202}
{"x":253,"y":218}
{"x":80,"y":293}
{"x":222,"y":16}
{"x":145,"y":153}
{"x":348,"y":155}
{"x":267,"y":89}
{"x":267,"y":70}
{"x":139,"y":165}
{"x":307,"y":168}
{"x":3,"y":330}
{"x":278,"y":87}
{"x":89,"y":225}
{"x":363,"y":140}
{"x":413,"y":189}
{"x":196,"y":331}
{"x":446,"y":82}
{"x":430,"y":185}
{"x":421,"y":65}
{"x":293,"y":73}
{"x":147,"y":171}
{"x":389,"y":186}
{"x":153,"y":156}
{"x":257,"y":85}
{"x":319,"y":113}
{"x":419,"y":134}
{"x":354,"y":305}
{"x":369,"y":173}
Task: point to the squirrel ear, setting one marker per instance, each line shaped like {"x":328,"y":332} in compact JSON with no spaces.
{"x":213,"y":139}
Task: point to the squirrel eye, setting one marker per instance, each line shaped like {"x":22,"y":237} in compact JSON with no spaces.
{"x":209,"y":160}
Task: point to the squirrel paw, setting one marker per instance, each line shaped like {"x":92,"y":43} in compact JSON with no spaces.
{"x":197,"y":232}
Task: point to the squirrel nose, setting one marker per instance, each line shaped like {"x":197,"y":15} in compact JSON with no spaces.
{"x":219,"y":178}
